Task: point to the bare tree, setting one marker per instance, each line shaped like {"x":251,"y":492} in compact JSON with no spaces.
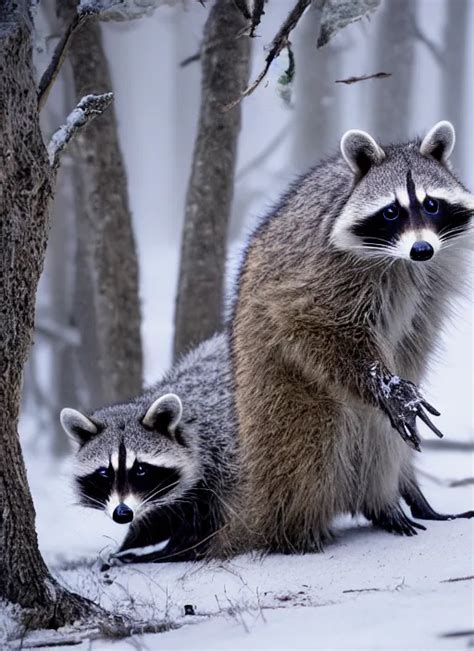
{"x":391,"y":99}
{"x":26,"y":187}
{"x":225,"y":71}
{"x":454,"y":69}
{"x":316,"y":113}
{"x":106,"y":308}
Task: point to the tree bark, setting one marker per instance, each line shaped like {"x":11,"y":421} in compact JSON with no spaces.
{"x":106,"y":306}
{"x":391,"y":99}
{"x":25,"y":191}
{"x":225,"y":72}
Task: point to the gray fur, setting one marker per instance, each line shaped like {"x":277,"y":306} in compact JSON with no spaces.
{"x":202,"y":380}
{"x":330,"y":338}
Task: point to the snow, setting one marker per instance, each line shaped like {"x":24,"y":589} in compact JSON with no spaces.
{"x":369,"y":589}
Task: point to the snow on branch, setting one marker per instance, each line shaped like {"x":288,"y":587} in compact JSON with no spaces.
{"x":88,"y":108}
{"x":124,"y":9}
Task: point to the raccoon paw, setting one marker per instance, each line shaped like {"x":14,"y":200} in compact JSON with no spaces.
{"x":394,"y":520}
{"x":403,"y":403}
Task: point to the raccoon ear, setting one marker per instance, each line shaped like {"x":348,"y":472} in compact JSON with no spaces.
{"x":164,"y":414}
{"x":439,"y":142}
{"x":78,"y":427}
{"x":360,"y":151}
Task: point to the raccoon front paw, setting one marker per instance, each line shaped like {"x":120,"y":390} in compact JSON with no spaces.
{"x":403,"y":403}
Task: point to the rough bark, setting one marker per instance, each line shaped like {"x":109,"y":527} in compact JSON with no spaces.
{"x":391,"y":99}
{"x":25,"y":191}
{"x":225,"y":72}
{"x":454,"y":78}
{"x":106,"y":306}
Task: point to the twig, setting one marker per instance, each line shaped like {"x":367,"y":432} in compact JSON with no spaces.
{"x":257,"y":13}
{"x":460,"y":578}
{"x":431,"y":45}
{"x":266,"y":151}
{"x":49,"y":76}
{"x":448,"y":483}
{"x":458,"y":446}
{"x":211,"y":46}
{"x":88,"y":108}
{"x":362,"y":590}
{"x":278,"y":44}
{"x":459,"y":633}
{"x":354,"y":80}
{"x":242,"y":6}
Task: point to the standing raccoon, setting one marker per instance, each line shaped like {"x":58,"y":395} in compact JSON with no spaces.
{"x":164,"y":462}
{"x":340,"y":300}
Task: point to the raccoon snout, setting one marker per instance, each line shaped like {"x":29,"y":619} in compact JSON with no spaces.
{"x":122,"y":514}
{"x":421,"y":250}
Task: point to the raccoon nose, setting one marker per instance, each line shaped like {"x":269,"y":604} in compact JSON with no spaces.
{"x":122,"y":514}
{"x":421,"y":250}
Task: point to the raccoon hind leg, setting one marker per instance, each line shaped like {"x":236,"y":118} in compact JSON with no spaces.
{"x":420,"y":507}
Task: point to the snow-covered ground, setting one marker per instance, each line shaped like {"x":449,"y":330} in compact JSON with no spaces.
{"x":369,"y":590}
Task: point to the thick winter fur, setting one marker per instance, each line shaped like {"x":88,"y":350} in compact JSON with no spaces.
{"x":326,"y":321}
{"x":181,"y":432}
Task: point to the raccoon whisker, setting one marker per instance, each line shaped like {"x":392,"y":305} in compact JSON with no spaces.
{"x":158,"y":491}
{"x":92,"y":501}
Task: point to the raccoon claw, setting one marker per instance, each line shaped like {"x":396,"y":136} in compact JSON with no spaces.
{"x":403,"y":403}
{"x":422,"y":510}
{"x":394,"y":520}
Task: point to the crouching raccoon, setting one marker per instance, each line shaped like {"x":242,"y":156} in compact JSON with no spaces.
{"x":164,"y":462}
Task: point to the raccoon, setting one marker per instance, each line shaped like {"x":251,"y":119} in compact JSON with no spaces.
{"x":164,"y":462}
{"x":340,"y":299}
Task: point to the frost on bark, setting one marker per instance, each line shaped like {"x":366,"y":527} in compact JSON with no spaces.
{"x":106,"y":306}
{"x":225,"y":72}
{"x":394,"y":53}
{"x":25,"y":190}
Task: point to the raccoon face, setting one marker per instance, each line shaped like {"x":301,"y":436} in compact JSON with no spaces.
{"x":405,"y":203}
{"x":129,"y":461}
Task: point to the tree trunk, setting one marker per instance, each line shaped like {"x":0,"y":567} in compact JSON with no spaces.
{"x":454,"y":79}
{"x":225,"y":71}
{"x":107,"y":306}
{"x":25,"y":191}
{"x":317,"y":109}
{"x":391,"y":99}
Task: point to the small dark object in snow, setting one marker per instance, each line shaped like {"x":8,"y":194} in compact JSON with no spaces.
{"x":105,"y":567}
{"x":107,"y":581}
{"x":189,"y":610}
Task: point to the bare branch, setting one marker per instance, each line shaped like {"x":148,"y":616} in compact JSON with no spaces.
{"x":452,"y":445}
{"x":88,"y":108}
{"x":354,"y":80}
{"x":243,"y":7}
{"x":257,"y":13}
{"x":430,"y":44}
{"x":278,"y":44}
{"x":51,"y":72}
{"x":458,"y":578}
{"x":212,"y":46}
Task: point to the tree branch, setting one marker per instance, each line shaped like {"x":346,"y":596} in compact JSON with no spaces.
{"x":354,"y":80}
{"x":88,"y":108}
{"x":430,"y":44}
{"x":278,"y":44}
{"x":243,"y":7}
{"x":49,"y":76}
{"x":257,"y":13}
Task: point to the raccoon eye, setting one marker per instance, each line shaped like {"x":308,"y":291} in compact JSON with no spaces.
{"x":431,"y":206}
{"x":391,"y":212}
{"x":140,"y":470}
{"x":103,"y":471}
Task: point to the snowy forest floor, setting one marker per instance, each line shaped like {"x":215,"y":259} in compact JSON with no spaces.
{"x":369,"y":590}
